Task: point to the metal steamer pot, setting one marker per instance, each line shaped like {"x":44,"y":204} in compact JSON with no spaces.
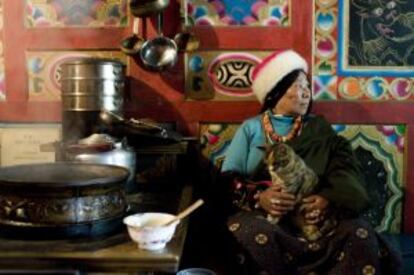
{"x":89,"y":85}
{"x":63,"y":199}
{"x":92,"y":84}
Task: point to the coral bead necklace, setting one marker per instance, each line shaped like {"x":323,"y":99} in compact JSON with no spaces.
{"x":270,"y":132}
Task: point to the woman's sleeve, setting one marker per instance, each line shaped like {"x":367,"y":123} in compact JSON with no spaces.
{"x":237,"y":154}
{"x":235,"y":178}
{"x":343,"y":180}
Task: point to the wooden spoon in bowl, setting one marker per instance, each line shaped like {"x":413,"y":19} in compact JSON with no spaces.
{"x":185,"y":212}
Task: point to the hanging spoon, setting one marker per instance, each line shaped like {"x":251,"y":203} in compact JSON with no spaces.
{"x":159,"y":53}
{"x":132,"y":44}
{"x":186,"y":40}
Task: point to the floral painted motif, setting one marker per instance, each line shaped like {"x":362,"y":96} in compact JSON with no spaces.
{"x":239,"y":12}
{"x":394,"y":134}
{"x":78,"y":13}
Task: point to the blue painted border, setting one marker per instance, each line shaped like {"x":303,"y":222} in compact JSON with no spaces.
{"x":360,"y":70}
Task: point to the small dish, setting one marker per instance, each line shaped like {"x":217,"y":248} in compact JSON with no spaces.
{"x":149,"y":230}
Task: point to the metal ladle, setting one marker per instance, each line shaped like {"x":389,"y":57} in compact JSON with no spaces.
{"x":132,"y":44}
{"x":186,"y":40}
{"x":159,"y":53}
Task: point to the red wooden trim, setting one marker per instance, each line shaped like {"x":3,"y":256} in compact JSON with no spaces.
{"x":221,"y":111}
{"x":14,"y":51}
{"x":73,"y":38}
{"x":335,"y":112}
{"x":364,"y":112}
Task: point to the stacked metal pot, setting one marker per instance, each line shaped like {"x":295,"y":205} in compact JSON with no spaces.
{"x":89,"y":85}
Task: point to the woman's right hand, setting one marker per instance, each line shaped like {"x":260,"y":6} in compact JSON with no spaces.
{"x":276,"y":201}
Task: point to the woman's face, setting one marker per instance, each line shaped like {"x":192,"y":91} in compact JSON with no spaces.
{"x":296,"y":99}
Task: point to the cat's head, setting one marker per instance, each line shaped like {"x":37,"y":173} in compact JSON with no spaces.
{"x":277,"y":155}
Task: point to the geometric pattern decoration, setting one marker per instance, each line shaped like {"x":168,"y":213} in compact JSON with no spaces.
{"x":43,"y":69}
{"x":76,"y":13}
{"x":380,"y":149}
{"x":335,"y":53}
{"x":2,"y":69}
{"x":220,"y":75}
{"x":239,"y":12}
{"x":227,"y":76}
{"x":324,"y":87}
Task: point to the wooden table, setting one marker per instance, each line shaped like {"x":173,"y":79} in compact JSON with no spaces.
{"x":116,"y":253}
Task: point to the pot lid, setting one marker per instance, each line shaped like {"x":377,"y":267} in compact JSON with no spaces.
{"x":62,"y":174}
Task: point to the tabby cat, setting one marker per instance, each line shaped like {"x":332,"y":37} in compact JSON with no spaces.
{"x":288,"y":169}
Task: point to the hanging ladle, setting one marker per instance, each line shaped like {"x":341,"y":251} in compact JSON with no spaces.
{"x":132,"y":44}
{"x":160,"y":53}
{"x":186,"y":40}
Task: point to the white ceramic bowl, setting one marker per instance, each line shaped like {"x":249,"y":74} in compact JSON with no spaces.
{"x":148,"y":231}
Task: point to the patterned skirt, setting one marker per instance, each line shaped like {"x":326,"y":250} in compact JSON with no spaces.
{"x":352,"y":247}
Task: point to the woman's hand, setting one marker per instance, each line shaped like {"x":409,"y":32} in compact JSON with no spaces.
{"x":276,"y":201}
{"x":314,"y":208}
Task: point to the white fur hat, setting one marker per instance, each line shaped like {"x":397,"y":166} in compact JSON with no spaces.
{"x":267,"y":74}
